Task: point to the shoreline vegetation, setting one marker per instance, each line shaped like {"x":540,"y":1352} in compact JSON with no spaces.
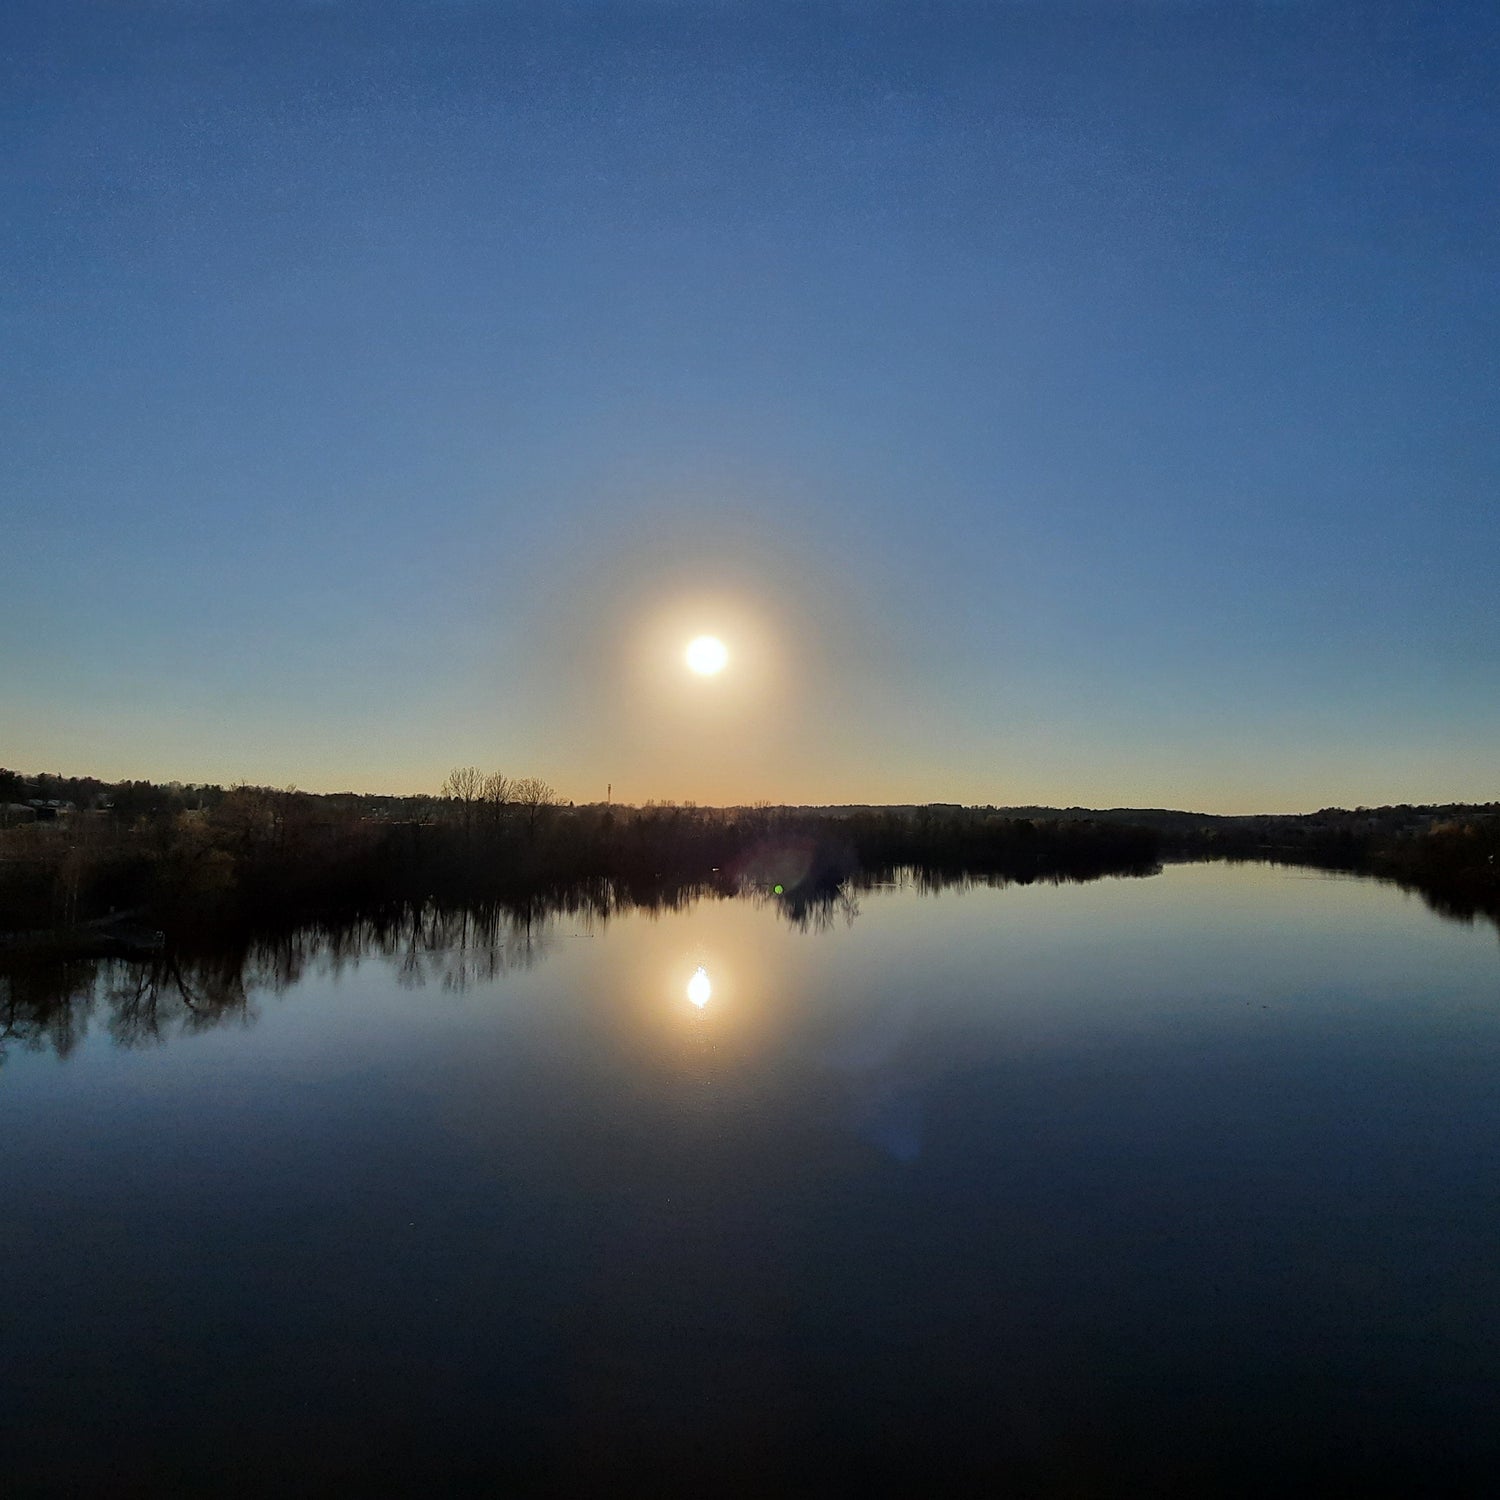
{"x":147,"y":859}
{"x":167,"y":909}
{"x":126,"y":868}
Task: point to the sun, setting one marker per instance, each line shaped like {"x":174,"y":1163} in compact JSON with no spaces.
{"x":707,"y":655}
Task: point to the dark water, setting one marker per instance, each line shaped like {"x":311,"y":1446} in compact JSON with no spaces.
{"x":1172,"y":1185}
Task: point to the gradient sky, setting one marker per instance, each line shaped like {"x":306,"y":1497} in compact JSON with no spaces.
{"x":1048,"y":402}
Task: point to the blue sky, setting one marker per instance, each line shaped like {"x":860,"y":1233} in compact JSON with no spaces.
{"x":1048,"y":402}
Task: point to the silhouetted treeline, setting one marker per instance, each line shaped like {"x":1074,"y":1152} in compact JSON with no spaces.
{"x":1446,"y":851}
{"x":172,"y":856}
{"x":1455,"y":864}
{"x":47,"y":797}
{"x":1449,"y":853}
{"x":1335,"y":837}
{"x":248,"y":854}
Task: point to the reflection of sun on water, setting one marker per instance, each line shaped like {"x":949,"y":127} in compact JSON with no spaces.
{"x":699,"y":989}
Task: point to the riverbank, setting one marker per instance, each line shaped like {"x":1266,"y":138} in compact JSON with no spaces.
{"x":283,"y":857}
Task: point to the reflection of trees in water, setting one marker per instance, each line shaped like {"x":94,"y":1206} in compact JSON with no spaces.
{"x":815,"y":910}
{"x":212,"y":982}
{"x":150,"y":1002}
{"x":460,"y":948}
{"x":46,"y":1005}
{"x":50,"y":1002}
{"x":934,"y":882}
{"x":1463,"y":900}
{"x":145,"y":1003}
{"x":1458,"y":905}
{"x":822,"y":907}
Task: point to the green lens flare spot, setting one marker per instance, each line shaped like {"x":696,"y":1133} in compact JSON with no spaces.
{"x":777,"y":889}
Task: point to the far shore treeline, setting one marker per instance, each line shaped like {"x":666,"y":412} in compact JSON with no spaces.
{"x":178,"y":855}
{"x":79,"y":852}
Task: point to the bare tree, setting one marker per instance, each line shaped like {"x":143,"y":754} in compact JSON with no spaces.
{"x":534,"y":797}
{"x":465,"y":786}
{"x":498,"y":793}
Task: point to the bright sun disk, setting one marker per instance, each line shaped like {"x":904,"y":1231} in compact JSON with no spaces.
{"x":707,"y":655}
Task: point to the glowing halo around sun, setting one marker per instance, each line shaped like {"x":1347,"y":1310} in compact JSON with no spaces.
{"x":707,"y":655}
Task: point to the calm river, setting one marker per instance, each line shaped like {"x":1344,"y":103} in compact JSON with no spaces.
{"x":1169,"y":1185}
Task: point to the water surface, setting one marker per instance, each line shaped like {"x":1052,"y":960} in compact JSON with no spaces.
{"x":1174,"y":1183}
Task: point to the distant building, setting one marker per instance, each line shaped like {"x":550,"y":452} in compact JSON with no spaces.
{"x":49,"y":810}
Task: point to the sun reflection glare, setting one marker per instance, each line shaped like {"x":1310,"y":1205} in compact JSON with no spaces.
{"x":699,"y":989}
